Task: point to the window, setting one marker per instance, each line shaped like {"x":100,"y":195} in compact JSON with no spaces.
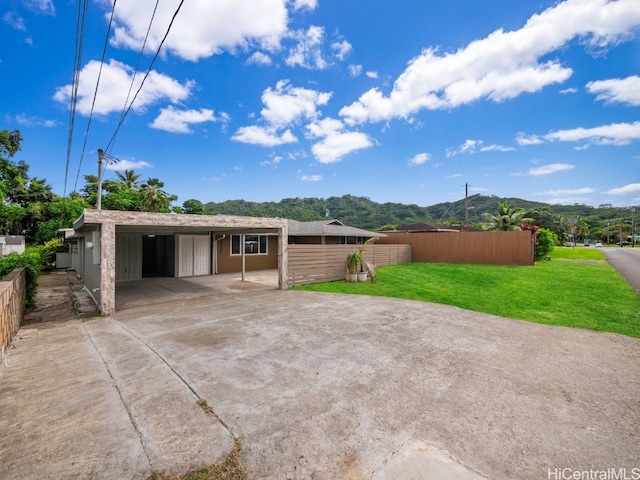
{"x":253,"y":244}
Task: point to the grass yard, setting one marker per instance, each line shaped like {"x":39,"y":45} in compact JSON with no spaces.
{"x":577,"y":288}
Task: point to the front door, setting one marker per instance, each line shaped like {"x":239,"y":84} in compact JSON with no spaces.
{"x":194,"y":255}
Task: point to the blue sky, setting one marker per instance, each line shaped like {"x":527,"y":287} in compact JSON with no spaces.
{"x":397,"y":101}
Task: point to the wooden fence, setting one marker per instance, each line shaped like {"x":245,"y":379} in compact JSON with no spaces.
{"x":12,"y":295}
{"x":493,"y":248}
{"x":326,"y":263}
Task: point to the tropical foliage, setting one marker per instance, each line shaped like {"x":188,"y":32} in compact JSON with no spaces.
{"x":507,"y":219}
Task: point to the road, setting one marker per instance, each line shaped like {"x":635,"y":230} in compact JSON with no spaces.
{"x":626,"y":261}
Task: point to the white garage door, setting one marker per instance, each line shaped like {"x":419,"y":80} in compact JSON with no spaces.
{"x":194,"y":255}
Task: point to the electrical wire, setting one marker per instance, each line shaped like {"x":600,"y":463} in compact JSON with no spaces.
{"x":115,"y":133}
{"x":95,"y":93}
{"x":135,"y":73}
{"x":81,"y":21}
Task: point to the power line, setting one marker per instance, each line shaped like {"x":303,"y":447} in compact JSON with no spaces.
{"x":115,"y":133}
{"x":81,"y":21}
{"x":95,"y":93}
{"x":135,"y":73}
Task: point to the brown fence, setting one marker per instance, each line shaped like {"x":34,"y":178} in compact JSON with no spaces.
{"x":493,"y":248}
{"x":12,"y":295}
{"x":325,"y":263}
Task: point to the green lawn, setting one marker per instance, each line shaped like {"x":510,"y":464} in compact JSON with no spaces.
{"x":577,"y":288}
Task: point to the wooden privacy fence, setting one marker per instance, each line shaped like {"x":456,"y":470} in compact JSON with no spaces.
{"x":13,"y":290}
{"x":492,"y":248}
{"x":325,"y":263}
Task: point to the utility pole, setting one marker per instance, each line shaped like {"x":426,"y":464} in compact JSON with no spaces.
{"x":466,"y":204}
{"x":99,"y":193}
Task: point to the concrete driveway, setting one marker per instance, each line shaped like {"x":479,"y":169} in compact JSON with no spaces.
{"x":318,"y":386}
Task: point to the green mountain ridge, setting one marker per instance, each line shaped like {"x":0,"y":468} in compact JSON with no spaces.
{"x":364,"y":213}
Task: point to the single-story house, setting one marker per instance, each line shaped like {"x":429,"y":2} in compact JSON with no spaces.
{"x":428,"y":227}
{"x":110,"y":246}
{"x":11,"y":244}
{"x":327,"y":232}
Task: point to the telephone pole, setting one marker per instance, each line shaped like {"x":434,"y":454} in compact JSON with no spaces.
{"x":102,"y":157}
{"x":466,"y":204}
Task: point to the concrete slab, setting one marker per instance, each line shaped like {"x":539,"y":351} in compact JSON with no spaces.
{"x":318,"y":386}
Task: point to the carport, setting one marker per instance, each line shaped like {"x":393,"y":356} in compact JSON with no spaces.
{"x":119,"y":246}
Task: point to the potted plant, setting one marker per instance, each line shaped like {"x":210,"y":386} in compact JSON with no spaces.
{"x":353,"y":266}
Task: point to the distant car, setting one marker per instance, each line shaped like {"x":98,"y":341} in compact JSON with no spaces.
{"x":569,"y":244}
{"x":586,"y":244}
{"x":598,"y":245}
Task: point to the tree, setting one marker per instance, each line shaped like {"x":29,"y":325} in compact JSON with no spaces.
{"x":153,"y":198}
{"x":508,"y":218}
{"x":129,"y":178}
{"x":193,"y":206}
{"x":60,"y":213}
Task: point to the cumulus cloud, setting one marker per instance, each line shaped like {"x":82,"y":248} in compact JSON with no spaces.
{"x":259,"y":58}
{"x":284,"y":105}
{"x":122,"y":165}
{"x":355,"y":70}
{"x":629,"y":189}
{"x":203,"y":28}
{"x":568,"y":91}
{"x":114,"y":85}
{"x":550,"y":169}
{"x":502,"y":65}
{"x":308,"y":52}
{"x":336,"y":142}
{"x":617,"y":90}
{"x":474,"y":146}
{"x":612,"y":134}
{"x":311,"y":4}
{"x":264,"y":136}
{"x":179,"y":121}
{"x":341,"y":49}
{"x":371,"y":74}
{"x":418,"y":159}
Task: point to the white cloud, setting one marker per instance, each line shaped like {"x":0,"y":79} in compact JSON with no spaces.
{"x":550,"y":169}
{"x":259,"y":58}
{"x":575,"y":191}
{"x":455,"y":175}
{"x":23,"y":119}
{"x":263,"y":136}
{"x":286,"y":104}
{"x":122,"y":165}
{"x":15,"y":21}
{"x":308,"y":52}
{"x":311,"y":178}
{"x":612,"y":134}
{"x":474,"y":146}
{"x":629,"y":189}
{"x":341,"y":49}
{"x":371,"y":74}
{"x":44,"y":7}
{"x":418,"y":159}
{"x":617,"y":90}
{"x":114,"y":85}
{"x":335,"y":143}
{"x":203,"y":28}
{"x":355,"y":70}
{"x":568,"y":91}
{"x":502,"y":65}
{"x":311,"y":4}
{"x":179,"y":121}
{"x":525,"y":140}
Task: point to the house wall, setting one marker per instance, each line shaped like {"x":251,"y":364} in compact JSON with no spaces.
{"x":326,"y":263}
{"x":227,"y":263}
{"x":128,"y":256}
{"x":492,"y":248}
{"x":89,"y":247}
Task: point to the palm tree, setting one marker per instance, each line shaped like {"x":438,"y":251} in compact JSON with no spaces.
{"x":153,"y":198}
{"x":129,"y":178}
{"x":508,"y":218}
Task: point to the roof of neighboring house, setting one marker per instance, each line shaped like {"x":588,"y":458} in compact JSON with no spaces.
{"x":13,"y":239}
{"x":428,"y":227}
{"x":328,"y":228}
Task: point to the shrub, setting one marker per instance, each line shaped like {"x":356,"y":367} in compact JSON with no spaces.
{"x":48,"y":253}
{"x":545,"y":241}
{"x":31,"y":261}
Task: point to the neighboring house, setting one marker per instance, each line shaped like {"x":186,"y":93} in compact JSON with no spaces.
{"x":11,"y":244}
{"x":328,"y":232}
{"x":428,"y":227}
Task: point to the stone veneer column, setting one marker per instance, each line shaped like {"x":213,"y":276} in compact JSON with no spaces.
{"x":283,"y":260}
{"x":108,"y":268}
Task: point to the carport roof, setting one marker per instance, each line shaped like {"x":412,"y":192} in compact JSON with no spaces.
{"x":158,"y":223}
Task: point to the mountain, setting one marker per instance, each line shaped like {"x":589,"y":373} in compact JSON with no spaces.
{"x":364,"y":213}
